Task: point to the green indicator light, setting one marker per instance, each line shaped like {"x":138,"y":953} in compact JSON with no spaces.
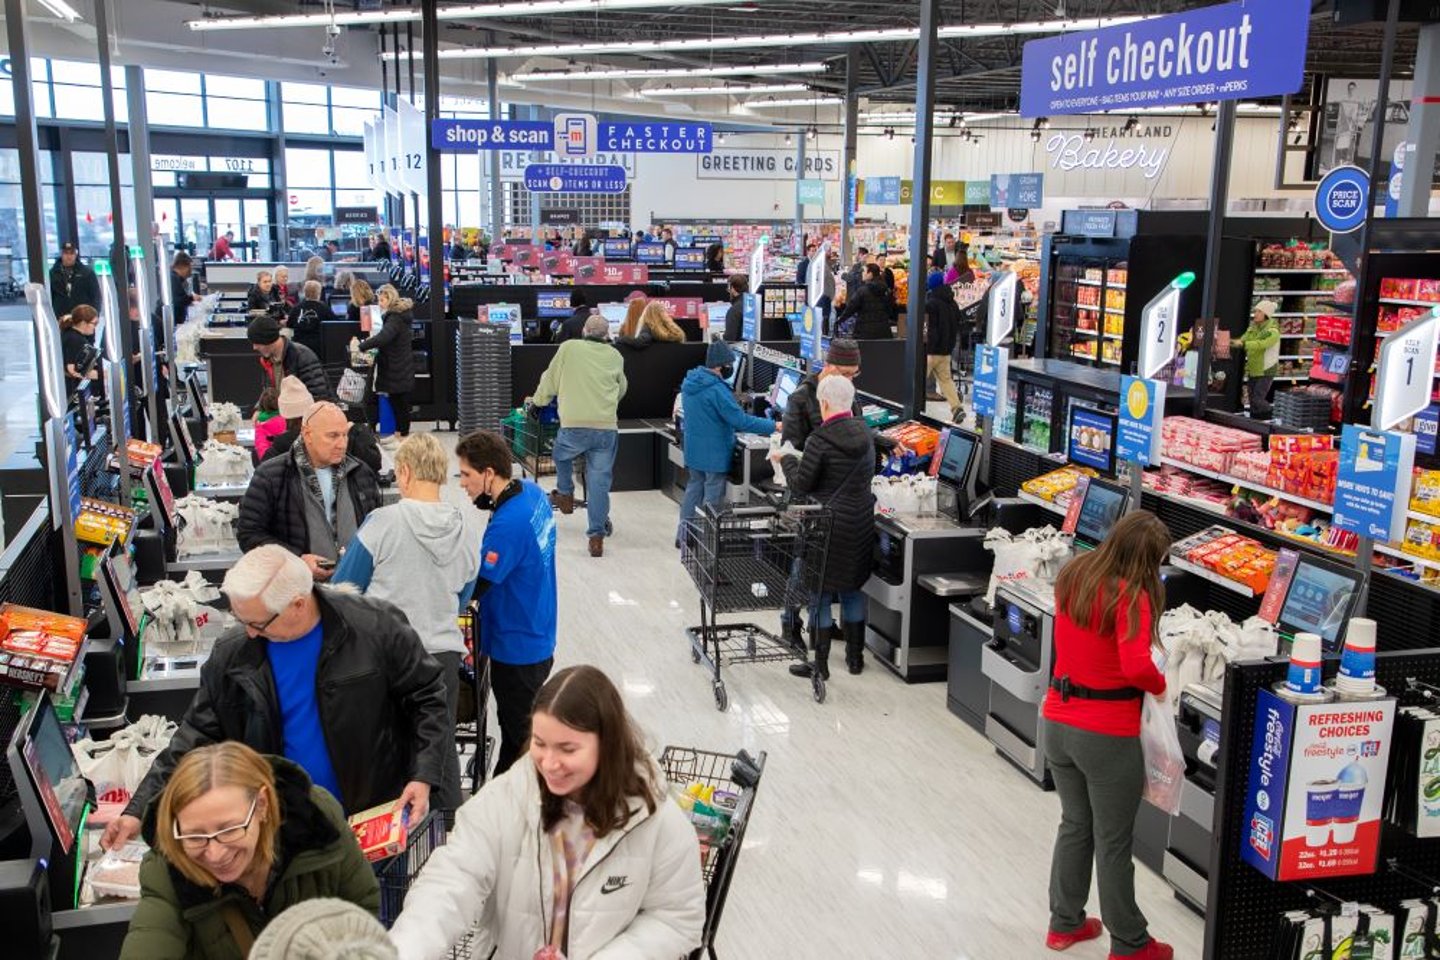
{"x":1183,"y":281}
{"x":102,"y":268}
{"x":138,"y":252}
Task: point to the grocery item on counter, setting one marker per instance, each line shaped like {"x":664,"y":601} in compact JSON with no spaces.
{"x":383,"y":831}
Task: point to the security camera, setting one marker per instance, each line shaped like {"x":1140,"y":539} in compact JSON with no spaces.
{"x":333,"y":29}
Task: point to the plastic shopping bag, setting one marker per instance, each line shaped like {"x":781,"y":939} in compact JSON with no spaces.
{"x":1164,"y":763}
{"x":352,"y":387}
{"x":113,"y":766}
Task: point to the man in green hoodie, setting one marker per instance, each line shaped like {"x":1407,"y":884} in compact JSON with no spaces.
{"x":588,"y":375}
{"x":1261,"y":343}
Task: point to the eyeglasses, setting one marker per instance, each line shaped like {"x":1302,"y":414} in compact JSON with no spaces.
{"x":197,"y":842}
{"x":260,"y":627}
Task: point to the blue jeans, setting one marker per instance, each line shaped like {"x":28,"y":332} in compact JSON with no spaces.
{"x":704,"y":486}
{"x":598,"y":447}
{"x":852,"y":608}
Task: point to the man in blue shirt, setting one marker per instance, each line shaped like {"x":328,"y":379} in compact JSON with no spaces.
{"x":516,"y":587}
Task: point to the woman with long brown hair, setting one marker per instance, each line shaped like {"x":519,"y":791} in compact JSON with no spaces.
{"x":574,"y":852}
{"x":1107,"y":611}
{"x":235,"y":838}
{"x":631,"y":327}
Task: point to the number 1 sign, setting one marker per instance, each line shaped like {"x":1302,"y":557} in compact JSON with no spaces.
{"x":1407,"y":371}
{"x":1157,"y":326}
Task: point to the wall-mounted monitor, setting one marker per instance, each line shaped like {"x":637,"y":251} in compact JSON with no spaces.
{"x":615,"y":248}
{"x":1091,"y":438}
{"x":650,"y":252}
{"x":552,"y":304}
{"x":690,"y":258}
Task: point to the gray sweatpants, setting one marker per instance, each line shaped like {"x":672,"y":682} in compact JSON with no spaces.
{"x":1100,"y":779}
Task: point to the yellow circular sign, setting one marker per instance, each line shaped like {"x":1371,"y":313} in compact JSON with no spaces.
{"x":809,"y":319}
{"x":1138,"y":400}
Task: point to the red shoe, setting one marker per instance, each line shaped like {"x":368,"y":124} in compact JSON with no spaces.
{"x":1154,"y":950}
{"x":1089,"y":930}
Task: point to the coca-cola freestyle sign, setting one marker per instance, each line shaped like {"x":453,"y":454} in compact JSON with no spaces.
{"x":1112,"y":148}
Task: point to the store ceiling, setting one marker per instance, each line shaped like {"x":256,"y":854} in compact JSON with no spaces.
{"x":979,"y":73}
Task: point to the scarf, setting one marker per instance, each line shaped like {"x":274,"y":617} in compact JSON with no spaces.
{"x":328,"y":531}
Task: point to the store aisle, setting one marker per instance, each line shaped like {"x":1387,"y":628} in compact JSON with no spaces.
{"x":884,"y":826}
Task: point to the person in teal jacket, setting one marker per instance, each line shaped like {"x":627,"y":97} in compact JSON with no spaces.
{"x":712,"y":418}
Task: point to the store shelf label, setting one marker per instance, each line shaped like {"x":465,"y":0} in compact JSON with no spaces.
{"x":1142,"y":407}
{"x":1426,"y":423}
{"x":1372,"y":489}
{"x":1406,"y":376}
{"x":991,"y":374}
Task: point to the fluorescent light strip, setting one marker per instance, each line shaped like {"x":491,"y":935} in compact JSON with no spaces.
{"x":723,"y":91}
{"x":620,"y":73}
{"x":477,"y":11}
{"x":61,"y":9}
{"x":776,"y":40}
{"x":800,"y":102}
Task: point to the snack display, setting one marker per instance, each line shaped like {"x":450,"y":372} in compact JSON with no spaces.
{"x":1173,"y":482}
{"x":1422,"y":539}
{"x":101,"y":523}
{"x":1304,"y":465}
{"x":38,"y":648}
{"x":141,"y":454}
{"x":383,"y":831}
{"x":1298,"y":255}
{"x":1205,"y":445}
{"x":1057,"y":485}
{"x":1230,"y":555}
{"x":1425,"y":493}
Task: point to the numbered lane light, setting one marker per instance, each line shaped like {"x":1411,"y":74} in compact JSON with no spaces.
{"x":1184,"y":280}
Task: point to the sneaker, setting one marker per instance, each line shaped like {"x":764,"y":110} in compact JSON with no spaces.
{"x":564,"y":502}
{"x":597,"y":546}
{"x":1154,"y":950}
{"x":1089,"y":930}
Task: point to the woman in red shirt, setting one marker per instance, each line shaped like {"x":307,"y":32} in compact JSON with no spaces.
{"x":1107,"y":605}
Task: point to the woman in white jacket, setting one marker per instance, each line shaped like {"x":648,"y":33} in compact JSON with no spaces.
{"x":575,"y":852}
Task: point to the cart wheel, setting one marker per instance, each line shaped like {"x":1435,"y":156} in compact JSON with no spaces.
{"x":722,"y":701}
{"x":818,"y":686}
{"x":694,"y":653}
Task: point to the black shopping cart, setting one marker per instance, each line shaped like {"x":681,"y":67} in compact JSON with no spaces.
{"x":396,"y":874}
{"x":532,"y":441}
{"x":752,"y":558}
{"x":738,"y":775}
{"x":472,"y":722}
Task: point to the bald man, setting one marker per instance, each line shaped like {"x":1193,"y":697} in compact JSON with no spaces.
{"x":312,"y":499}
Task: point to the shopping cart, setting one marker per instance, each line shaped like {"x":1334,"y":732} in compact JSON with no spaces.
{"x":396,"y":874}
{"x":473,"y":721}
{"x":531,"y":433}
{"x":740,"y":775}
{"x":752,"y":558}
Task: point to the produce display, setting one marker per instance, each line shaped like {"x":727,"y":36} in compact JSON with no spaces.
{"x":38,"y":649}
{"x":1229,"y":555}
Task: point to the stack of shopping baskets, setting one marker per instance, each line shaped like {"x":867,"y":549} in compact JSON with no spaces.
{"x":752,"y":558}
{"x":482,"y":375}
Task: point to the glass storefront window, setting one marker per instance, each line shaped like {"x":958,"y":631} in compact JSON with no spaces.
{"x":174,"y":110}
{"x":172,"y":81}
{"x":307,"y":168}
{"x":305,"y":118}
{"x":227,"y":113}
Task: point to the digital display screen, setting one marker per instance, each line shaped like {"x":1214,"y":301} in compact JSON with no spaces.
{"x":1319,"y":601}
{"x":162,"y":498}
{"x":958,"y":454}
{"x":341,"y":309}
{"x":692,"y":258}
{"x":1092,"y":439}
{"x":1102,"y":506}
{"x":185,"y":444}
{"x":615,"y":248}
{"x":121,"y":577}
{"x":785,"y":383}
{"x":716,"y":313}
{"x":552,"y":304}
{"x":614,"y":314}
{"x":734,"y":379}
{"x":53,"y":772}
{"x":197,"y":396}
{"x":650,"y":252}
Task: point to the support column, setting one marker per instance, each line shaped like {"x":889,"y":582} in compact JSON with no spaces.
{"x":119,"y":255}
{"x":914,"y":393}
{"x":536,"y":157}
{"x":847,"y":154}
{"x":799,"y":232}
{"x":1210,"y":287}
{"x":31,"y":206}
{"x":497,"y":189}
{"x":442,"y":374}
{"x":1423,"y":135}
{"x":138,"y":130}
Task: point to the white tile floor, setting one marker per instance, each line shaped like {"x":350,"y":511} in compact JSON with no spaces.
{"x":884,"y":827}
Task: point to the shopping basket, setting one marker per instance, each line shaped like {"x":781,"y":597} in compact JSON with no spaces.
{"x":398,"y":872}
{"x":752,"y":558}
{"x":734,"y":773}
{"x":531,"y":433}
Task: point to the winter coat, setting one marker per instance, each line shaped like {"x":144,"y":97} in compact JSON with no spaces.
{"x":588,"y":376}
{"x":380,"y":696}
{"x":305,"y":320}
{"x":572,"y":327}
{"x":942,"y":322}
{"x":318,"y":856}
{"x":712,"y":418}
{"x":639,"y":895}
{"x":1261,"y":343}
{"x":67,"y":293}
{"x":836,"y":469}
{"x":395,"y":364}
{"x":871,"y":308}
{"x":362,"y":445}
{"x":273,"y":508}
{"x":257,"y":300}
{"x":735,"y":321}
{"x":299,"y":361}
{"x":265,"y":433}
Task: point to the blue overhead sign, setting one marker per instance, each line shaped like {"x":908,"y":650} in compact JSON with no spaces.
{"x":1009,"y":191}
{"x":1097,"y":223}
{"x":1225,"y":52}
{"x":462,"y":136}
{"x":654,"y":137}
{"x":574,"y":178}
{"x":883,"y":191}
{"x":1341,"y":198}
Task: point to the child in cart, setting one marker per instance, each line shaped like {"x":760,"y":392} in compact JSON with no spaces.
{"x":575,"y":852}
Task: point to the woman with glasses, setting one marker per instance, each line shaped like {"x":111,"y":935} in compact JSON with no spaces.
{"x":235,"y":839}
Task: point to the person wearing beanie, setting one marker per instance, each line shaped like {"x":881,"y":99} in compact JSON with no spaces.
{"x":712,"y":418}
{"x":1261,"y":343}
{"x":72,"y":282}
{"x":942,"y":329}
{"x":281,"y":357}
{"x":324,"y":929}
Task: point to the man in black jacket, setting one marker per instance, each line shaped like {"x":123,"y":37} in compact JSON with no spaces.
{"x":335,"y":681}
{"x":281,"y":358}
{"x":738,"y":286}
{"x":573,"y":326}
{"x":72,"y":282}
{"x":942,"y":328}
{"x":311,"y":500}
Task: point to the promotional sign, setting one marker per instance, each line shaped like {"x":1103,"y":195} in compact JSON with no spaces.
{"x":651,"y":251}
{"x":1157,"y":326}
{"x":810,"y":192}
{"x":651,"y":136}
{"x":1223,"y":52}
{"x":557,"y":263}
{"x":689,"y":258}
{"x":1341,"y":199}
{"x":683,"y":308}
{"x":750,"y":316}
{"x":981,"y":220}
{"x":615,"y":248}
{"x":811,"y":324}
{"x":1017,"y":190}
{"x":574,"y":134}
{"x":574,"y":178}
{"x":1407,"y":371}
{"x":513,"y":162}
{"x":1426,"y":423}
{"x":1017,"y":214}
{"x":1142,"y":407}
{"x":1071,"y":151}
{"x":463,"y":136}
{"x":1316,"y":788}
{"x":1000,"y":320}
{"x":1096,"y":223}
{"x":883,"y":191}
{"x":976,"y":193}
{"x":357,"y":216}
{"x":526,"y":255}
{"x":625,"y":273}
{"x":560,"y":216}
{"x":766,"y":163}
{"x":586,"y":269}
{"x":503,"y":313}
{"x":945,"y":193}
{"x":1092,"y":439}
{"x":989,"y":394}
{"x":411,"y":148}
{"x":816,"y":273}
{"x":1274,"y":601}
{"x":1372,"y":490}
{"x":72,"y":465}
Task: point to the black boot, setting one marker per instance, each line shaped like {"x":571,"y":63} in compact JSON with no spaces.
{"x":854,"y":646}
{"x":791,"y":635}
{"x":821,"y":665}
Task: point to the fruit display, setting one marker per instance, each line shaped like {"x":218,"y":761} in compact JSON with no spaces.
{"x":1230,"y":555}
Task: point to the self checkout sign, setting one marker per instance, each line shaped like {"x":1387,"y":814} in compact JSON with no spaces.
{"x":1407,"y":371}
{"x":1157,"y":326}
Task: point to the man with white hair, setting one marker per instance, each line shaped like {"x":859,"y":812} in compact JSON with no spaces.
{"x":337,"y":682}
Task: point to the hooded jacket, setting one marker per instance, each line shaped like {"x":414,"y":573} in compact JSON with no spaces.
{"x":396,"y":541}
{"x":712,"y":418}
{"x":317,"y":857}
{"x":395,"y":364}
{"x":639,"y":895}
{"x":69,"y":289}
{"x":305,"y":319}
{"x":836,"y":469}
{"x":942,"y":322}
{"x":380,"y":696}
{"x":1261,"y":343}
{"x":871,"y":308}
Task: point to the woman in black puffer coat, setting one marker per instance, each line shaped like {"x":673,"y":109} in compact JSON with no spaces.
{"x":395,"y":363}
{"x":836,"y":469}
{"x":870,"y":310}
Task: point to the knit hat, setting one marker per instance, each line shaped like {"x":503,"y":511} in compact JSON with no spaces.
{"x":1267,"y":307}
{"x":936,"y":279}
{"x":719,"y":354}
{"x":843,"y":353}
{"x":263,"y":330}
{"x":323,"y":929}
{"x":294,"y":398}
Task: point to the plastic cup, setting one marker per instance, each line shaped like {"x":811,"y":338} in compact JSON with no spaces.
{"x":1304,"y":675}
{"x":1319,"y":811}
{"x":1357,"y":662}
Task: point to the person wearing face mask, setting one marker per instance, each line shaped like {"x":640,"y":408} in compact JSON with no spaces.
{"x":333,"y":681}
{"x":235,"y":839}
{"x":516,"y":585}
{"x":575,"y":853}
{"x":421,"y":532}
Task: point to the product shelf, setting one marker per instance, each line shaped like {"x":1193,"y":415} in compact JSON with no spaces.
{"x":1041,"y":502}
{"x":1206,"y":574}
{"x":1114,"y":336}
{"x":1425,"y":517}
{"x":1115,"y":310}
{"x":1295,"y":270}
{"x":1091,"y":283}
{"x":1249,"y":485}
{"x":1393,"y":301}
{"x":1390,"y":551}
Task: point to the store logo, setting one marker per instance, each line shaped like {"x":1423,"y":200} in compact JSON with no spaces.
{"x":574,"y":134}
{"x":1072,"y":152}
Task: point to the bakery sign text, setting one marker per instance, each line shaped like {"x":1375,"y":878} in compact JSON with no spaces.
{"x":1073,"y":151}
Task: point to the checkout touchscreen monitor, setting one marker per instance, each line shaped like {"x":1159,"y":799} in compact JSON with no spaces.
{"x":122,"y":590}
{"x":959,"y":455}
{"x":183,"y":442}
{"x":198,"y":403}
{"x":1320,"y":599}
{"x":40,"y":759}
{"x":786,"y":380}
{"x":1103,"y":504}
{"x":162,"y":498}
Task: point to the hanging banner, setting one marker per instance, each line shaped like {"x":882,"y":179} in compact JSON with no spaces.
{"x":1222,"y":52}
{"x":463,"y":136}
{"x":372,"y":155}
{"x":977,"y":192}
{"x":766,"y":163}
{"x":882,"y":191}
{"x":1372,"y":489}
{"x":393,"y":151}
{"x":649,"y":136}
{"x":1017,"y":190}
{"x":574,"y":178}
{"x":412,"y":148}
{"x":624,"y":273}
{"x":1142,"y":407}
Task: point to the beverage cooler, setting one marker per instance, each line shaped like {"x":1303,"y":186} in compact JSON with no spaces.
{"x":1100,"y":271}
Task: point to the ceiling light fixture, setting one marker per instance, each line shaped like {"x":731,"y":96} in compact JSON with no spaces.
{"x":61,"y":9}
{"x":889,"y":133}
{"x":812,"y":132}
{"x":724,"y":90}
{"x":620,"y":73}
{"x":469,"y":11}
{"x":1131,"y":124}
{"x":788,"y":140}
{"x":802,"y":102}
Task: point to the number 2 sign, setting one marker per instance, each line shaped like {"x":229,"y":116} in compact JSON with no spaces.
{"x":1157,"y":327}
